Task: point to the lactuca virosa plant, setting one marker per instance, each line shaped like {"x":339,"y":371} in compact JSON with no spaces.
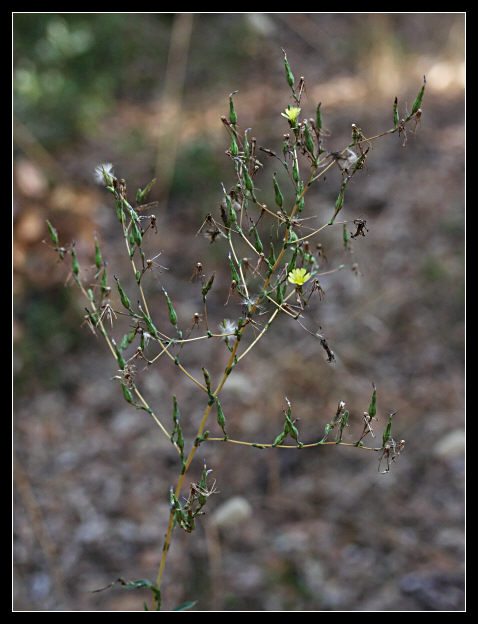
{"x":282,"y":278}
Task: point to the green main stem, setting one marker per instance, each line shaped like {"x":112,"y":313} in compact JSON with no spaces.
{"x":167,"y":541}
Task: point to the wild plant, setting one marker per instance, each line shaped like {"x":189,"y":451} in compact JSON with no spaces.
{"x":273,"y":271}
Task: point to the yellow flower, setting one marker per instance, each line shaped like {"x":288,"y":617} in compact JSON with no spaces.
{"x":291,"y":114}
{"x":298,"y":276}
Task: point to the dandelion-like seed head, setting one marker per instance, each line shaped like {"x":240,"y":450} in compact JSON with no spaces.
{"x":104,"y":174}
{"x":227,"y":327}
{"x":298,"y":276}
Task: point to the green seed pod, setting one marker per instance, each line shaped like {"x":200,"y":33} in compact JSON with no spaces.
{"x":221,"y":419}
{"x":74,"y":262}
{"x":318,"y":118}
{"x":127,"y":394}
{"x":339,"y":202}
{"x":98,"y":258}
{"x":309,"y":143}
{"x":119,"y":357}
{"x":272,"y":256}
{"x":289,"y":424}
{"x":258,"y":243}
{"x":234,"y":149}
{"x":128,"y":339}
{"x":326,"y":432}
{"x":119,"y":210}
{"x":234,"y":273}
{"x":232,"y":213}
{"x":137,"y":237}
{"x":247,"y":180}
{"x":232,"y":110}
{"x":207,"y":378}
{"x":75,"y":266}
{"x":372,"y":409}
{"x":177,"y":428}
{"x":124,"y":299}
{"x":279,"y":294}
{"x":230,"y":216}
{"x":173,"y":317}
{"x":53,"y":234}
{"x":208,"y":285}
{"x":387,"y":434}
{"x":278,"y":195}
{"x":280,"y":438}
{"x":291,"y":265}
{"x":295,"y":170}
{"x":396,"y":118}
{"x":300,"y":199}
{"x":418,"y":102}
{"x":246,"y":149}
{"x":288,"y":73}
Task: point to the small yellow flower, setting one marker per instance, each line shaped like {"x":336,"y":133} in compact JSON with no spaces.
{"x":298,"y":276}
{"x":291,"y":114}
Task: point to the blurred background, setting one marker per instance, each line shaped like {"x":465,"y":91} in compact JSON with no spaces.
{"x":318,"y":529}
